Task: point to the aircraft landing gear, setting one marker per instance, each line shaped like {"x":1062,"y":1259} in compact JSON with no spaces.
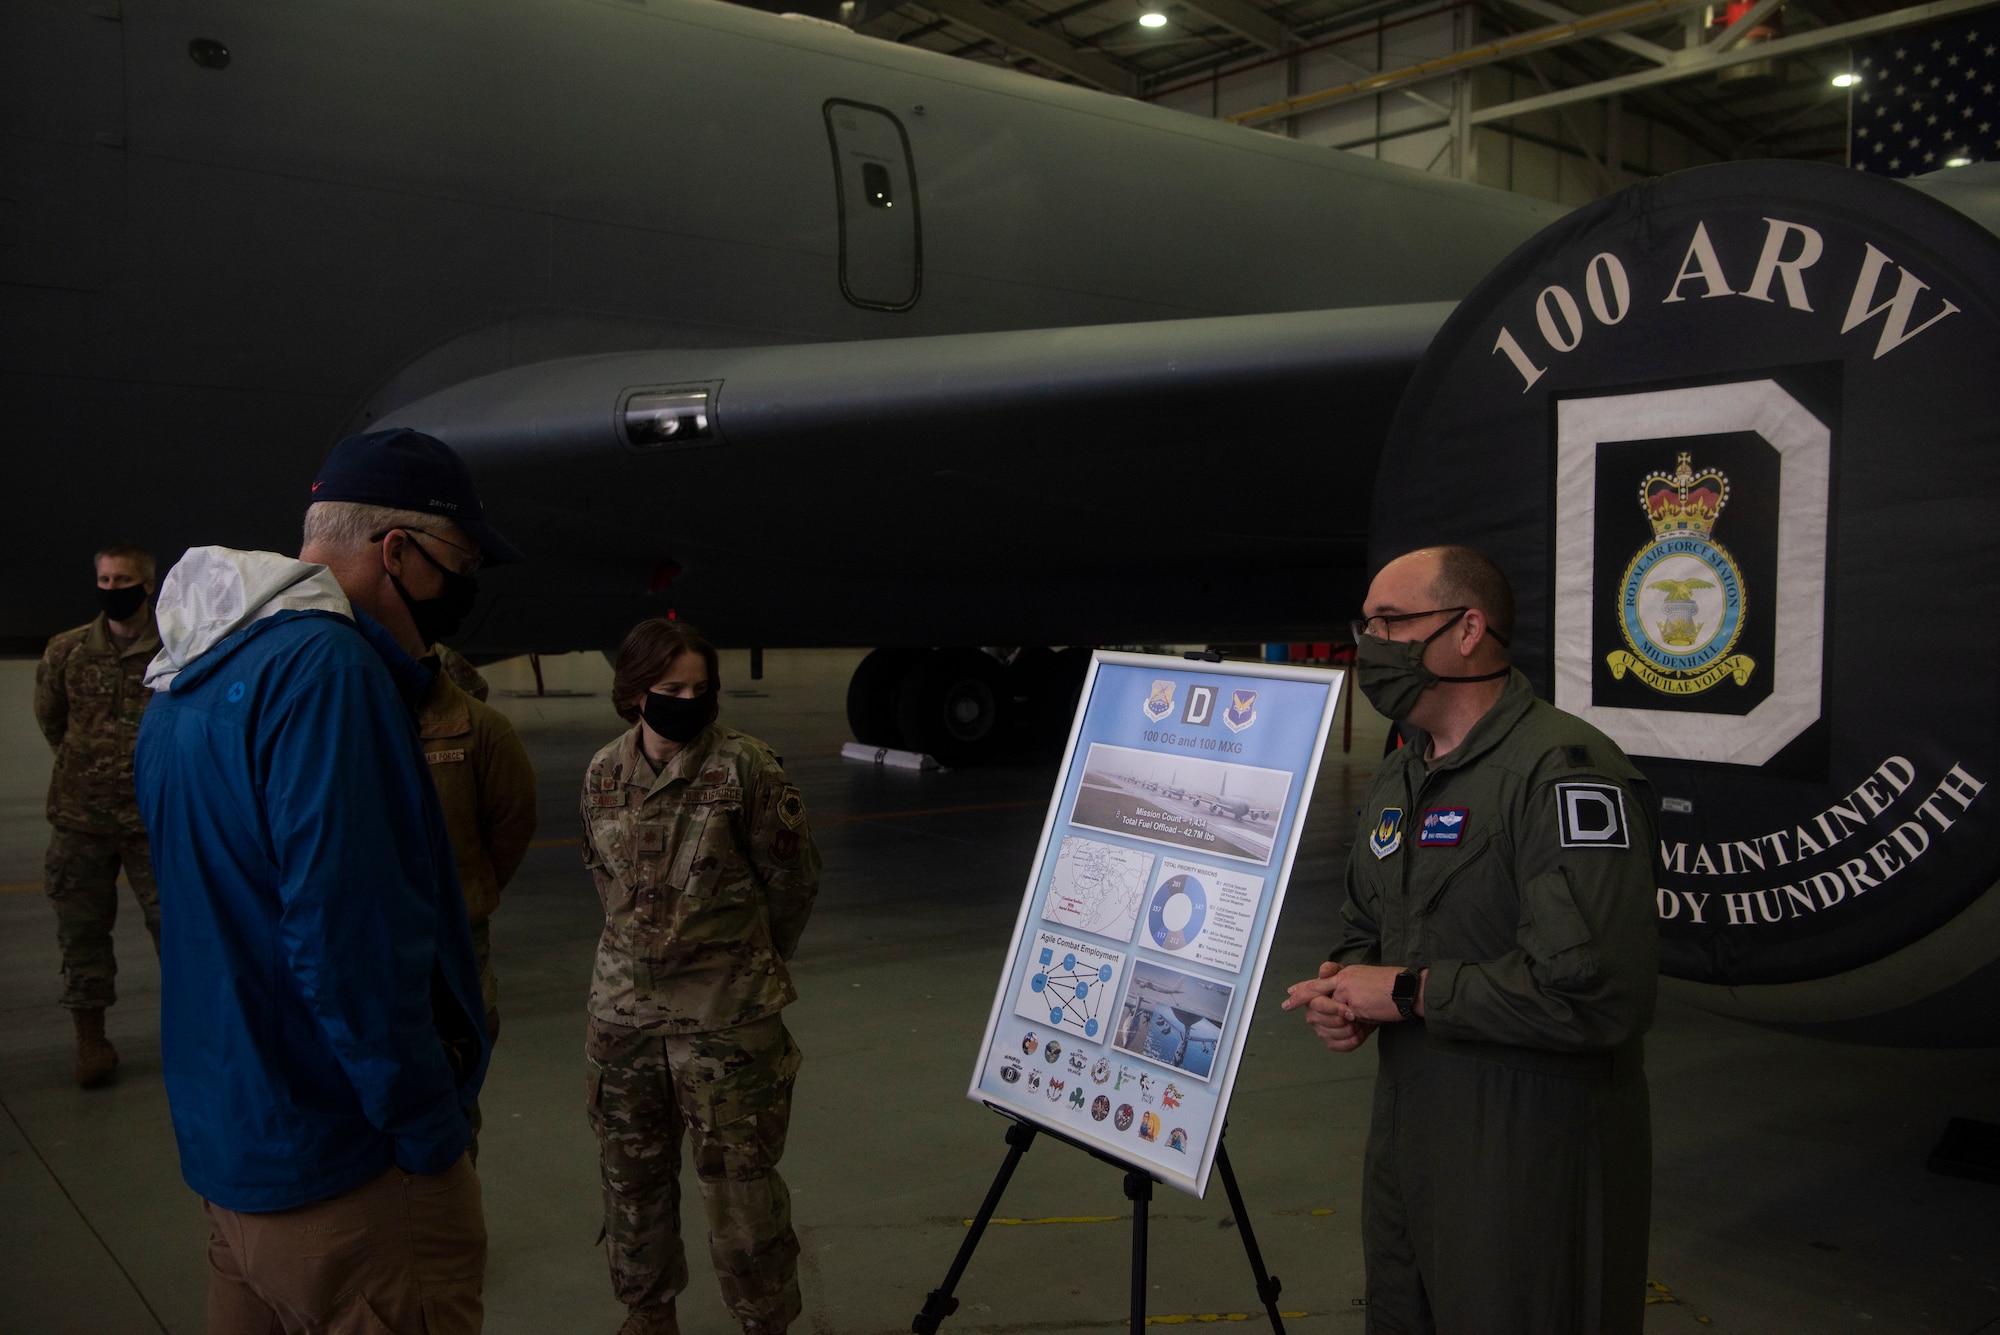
{"x":964,"y":706}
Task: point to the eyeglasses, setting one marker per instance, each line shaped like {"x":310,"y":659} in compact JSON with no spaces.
{"x":472,"y":569}
{"x":1378,"y":627}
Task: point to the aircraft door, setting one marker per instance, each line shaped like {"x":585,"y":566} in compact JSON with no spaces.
{"x":62,"y":145}
{"x":881,"y":235}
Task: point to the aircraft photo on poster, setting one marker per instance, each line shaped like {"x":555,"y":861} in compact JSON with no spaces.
{"x":1211,"y":805}
{"x":1173,"y":1018}
{"x":1129,"y":987}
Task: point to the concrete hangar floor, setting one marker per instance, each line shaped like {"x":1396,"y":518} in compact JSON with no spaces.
{"x":1790,"y":1190}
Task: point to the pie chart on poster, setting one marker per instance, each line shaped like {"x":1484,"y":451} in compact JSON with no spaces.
{"x":1179,"y":907}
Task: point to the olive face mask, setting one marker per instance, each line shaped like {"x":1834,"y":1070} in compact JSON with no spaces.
{"x":1393,"y":675}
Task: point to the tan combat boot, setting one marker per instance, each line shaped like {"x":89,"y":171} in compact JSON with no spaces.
{"x":96,"y":1059}
{"x":652,"y":1319}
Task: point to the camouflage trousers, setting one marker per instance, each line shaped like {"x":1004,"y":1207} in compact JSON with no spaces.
{"x":80,"y":873}
{"x":731,"y":1090}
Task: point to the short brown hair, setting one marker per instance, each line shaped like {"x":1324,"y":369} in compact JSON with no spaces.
{"x":1467,"y":577}
{"x":648,"y":651}
{"x":133,"y":552}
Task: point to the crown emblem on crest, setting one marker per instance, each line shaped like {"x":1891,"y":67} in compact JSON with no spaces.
{"x":1684,"y":501}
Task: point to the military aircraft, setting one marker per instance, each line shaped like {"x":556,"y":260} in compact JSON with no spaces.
{"x":809,"y":338}
{"x":812,"y":338}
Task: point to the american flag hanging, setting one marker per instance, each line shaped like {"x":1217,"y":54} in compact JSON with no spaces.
{"x":1927,"y":98}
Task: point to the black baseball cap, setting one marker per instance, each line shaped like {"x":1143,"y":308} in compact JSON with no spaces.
{"x":408,"y":470}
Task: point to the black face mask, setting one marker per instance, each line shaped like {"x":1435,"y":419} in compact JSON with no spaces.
{"x":439,"y":617}
{"x":678,"y":718}
{"x":120,"y":604}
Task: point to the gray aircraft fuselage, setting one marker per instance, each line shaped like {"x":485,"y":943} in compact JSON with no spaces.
{"x":209,"y":274}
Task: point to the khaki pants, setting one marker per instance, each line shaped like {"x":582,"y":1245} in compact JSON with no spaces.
{"x":80,"y":873}
{"x":730,"y":1092}
{"x":400,"y":1255}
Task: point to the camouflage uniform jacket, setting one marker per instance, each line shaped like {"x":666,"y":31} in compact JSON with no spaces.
{"x":486,"y":787}
{"x":707,"y":874}
{"x":89,"y":700}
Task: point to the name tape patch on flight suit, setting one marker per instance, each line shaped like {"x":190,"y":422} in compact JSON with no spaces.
{"x":1591,"y":815}
{"x":1441,"y":827}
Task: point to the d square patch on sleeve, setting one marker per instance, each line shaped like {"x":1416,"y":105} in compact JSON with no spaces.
{"x":1591,"y":815}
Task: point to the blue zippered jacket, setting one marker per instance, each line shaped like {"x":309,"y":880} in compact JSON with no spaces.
{"x":320,"y":1013}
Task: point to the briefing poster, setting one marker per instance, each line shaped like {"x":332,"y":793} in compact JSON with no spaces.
{"x":1127,"y":995}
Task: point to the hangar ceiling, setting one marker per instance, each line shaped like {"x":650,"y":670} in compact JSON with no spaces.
{"x":1583,"y":79}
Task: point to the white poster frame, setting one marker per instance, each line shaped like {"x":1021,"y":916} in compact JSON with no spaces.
{"x":1195,"y":1182}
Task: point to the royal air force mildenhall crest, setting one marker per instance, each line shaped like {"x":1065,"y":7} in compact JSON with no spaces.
{"x":1681,"y":603}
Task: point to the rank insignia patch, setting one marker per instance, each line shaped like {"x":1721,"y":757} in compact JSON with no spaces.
{"x":1161,"y":702}
{"x":1441,"y":827}
{"x":651,"y":839}
{"x":1388,"y":833}
{"x":1242,"y":711}
{"x":1591,"y":815}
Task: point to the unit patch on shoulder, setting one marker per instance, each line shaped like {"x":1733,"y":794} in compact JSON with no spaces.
{"x":792,"y":809}
{"x":1387,"y":836}
{"x":1441,"y":827}
{"x":1592,"y":815}
{"x":1579,"y":756}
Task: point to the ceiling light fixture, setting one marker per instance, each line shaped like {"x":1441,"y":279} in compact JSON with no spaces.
{"x":1152,"y":18}
{"x":1846,"y":80}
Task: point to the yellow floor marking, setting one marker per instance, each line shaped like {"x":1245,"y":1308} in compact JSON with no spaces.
{"x":24,"y":885}
{"x":1662,"y":1294}
{"x":1183,"y":1319}
{"x":1319,"y":1212}
{"x":1058,"y":1219}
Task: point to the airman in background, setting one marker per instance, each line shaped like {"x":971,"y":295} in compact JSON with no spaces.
{"x":707,"y":872}
{"x":89,"y":698}
{"x":487,"y":789}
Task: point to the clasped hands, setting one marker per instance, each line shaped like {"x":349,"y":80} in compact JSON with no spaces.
{"x":1348,"y":1002}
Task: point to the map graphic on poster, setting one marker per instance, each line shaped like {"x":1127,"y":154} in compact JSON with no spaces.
{"x":1071,"y":984}
{"x":1203,"y":913}
{"x":1098,"y":887}
{"x":1123,"y":1010}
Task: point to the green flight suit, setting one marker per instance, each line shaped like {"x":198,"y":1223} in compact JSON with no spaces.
{"x":1508,"y":1182}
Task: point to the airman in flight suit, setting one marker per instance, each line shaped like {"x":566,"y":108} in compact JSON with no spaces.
{"x":1500,"y":932}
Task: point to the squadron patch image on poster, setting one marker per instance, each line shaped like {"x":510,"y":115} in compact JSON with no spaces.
{"x":1128,"y":989}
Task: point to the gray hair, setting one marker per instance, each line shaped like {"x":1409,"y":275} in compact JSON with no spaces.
{"x":346,"y":525}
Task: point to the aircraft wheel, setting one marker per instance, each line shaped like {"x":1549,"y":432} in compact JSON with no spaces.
{"x":872,"y":693}
{"x":954,"y":705}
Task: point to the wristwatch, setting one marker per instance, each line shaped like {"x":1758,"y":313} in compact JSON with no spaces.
{"x":1404,"y":993}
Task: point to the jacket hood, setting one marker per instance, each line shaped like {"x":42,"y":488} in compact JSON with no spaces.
{"x":213,"y":592}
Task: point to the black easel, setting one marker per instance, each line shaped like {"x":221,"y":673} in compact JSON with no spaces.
{"x":940,"y":1303}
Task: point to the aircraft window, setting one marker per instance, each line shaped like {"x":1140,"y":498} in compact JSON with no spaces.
{"x":875,"y":183}
{"x":875,"y":186}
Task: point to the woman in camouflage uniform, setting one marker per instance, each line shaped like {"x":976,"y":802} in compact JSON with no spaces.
{"x":706,"y":870}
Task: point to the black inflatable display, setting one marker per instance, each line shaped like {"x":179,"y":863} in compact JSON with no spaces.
{"x":1735,"y":436}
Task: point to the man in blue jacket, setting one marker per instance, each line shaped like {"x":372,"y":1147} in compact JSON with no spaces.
{"x":321,"y":1024}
